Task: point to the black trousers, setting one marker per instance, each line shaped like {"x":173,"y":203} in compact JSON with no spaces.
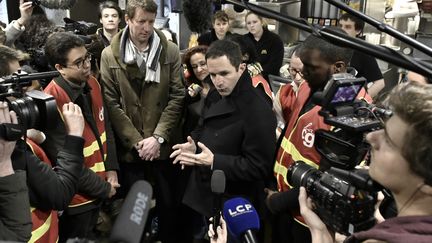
{"x":80,"y":225}
{"x":168,"y":186}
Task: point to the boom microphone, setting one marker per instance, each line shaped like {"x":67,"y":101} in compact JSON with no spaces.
{"x":197,"y":14}
{"x":130,"y":222}
{"x":55,"y":4}
{"x":241,"y":218}
{"x":218,"y":188}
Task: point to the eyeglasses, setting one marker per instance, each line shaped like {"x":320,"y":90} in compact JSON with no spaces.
{"x":293,"y":72}
{"x":80,"y":63}
{"x":201,"y":64}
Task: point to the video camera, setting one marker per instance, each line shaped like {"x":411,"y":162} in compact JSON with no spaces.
{"x":34,"y":108}
{"x":79,"y":27}
{"x":345,"y":147}
{"x":344,"y":197}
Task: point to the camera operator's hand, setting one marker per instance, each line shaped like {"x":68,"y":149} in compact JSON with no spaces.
{"x":74,"y":119}
{"x":26,"y":10}
{"x":318,"y":229}
{"x":6,"y":147}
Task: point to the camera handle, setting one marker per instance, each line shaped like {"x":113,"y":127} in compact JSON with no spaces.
{"x":10,"y":132}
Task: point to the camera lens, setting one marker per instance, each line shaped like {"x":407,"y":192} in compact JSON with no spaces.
{"x":298,"y":173}
{"x":26,"y":110}
{"x":35,"y":2}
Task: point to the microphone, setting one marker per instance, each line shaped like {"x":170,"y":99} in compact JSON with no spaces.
{"x":241,"y":218}
{"x":132,"y":218}
{"x":318,"y":98}
{"x":197,"y":14}
{"x":56,"y":4}
{"x":218,"y":188}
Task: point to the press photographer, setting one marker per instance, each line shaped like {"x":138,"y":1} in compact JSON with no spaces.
{"x":49,"y":189}
{"x":400,"y":150}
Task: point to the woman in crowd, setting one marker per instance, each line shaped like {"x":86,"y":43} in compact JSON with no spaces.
{"x":269,"y":46}
{"x":198,"y":83}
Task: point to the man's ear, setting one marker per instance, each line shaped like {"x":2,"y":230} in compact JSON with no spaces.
{"x":339,"y":67}
{"x":126,"y":17}
{"x":59,"y":68}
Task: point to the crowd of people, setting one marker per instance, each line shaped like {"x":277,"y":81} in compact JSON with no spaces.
{"x":130,"y":107}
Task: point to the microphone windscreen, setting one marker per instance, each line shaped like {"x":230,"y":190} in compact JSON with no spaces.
{"x":318,"y":98}
{"x":240,"y":216}
{"x":58,"y":4}
{"x":130,"y":222}
{"x":238,"y":9}
{"x":218,"y":182}
{"x":197,"y":14}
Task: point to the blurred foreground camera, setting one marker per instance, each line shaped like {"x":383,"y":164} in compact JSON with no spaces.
{"x":344,"y":200}
{"x":34,"y":109}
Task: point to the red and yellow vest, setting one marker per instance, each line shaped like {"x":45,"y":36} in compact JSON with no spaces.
{"x":259,"y":79}
{"x":298,"y":141}
{"x":45,"y":223}
{"x":92,"y":155}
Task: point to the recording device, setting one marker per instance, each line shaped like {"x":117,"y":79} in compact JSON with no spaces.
{"x":35,"y":2}
{"x":344,"y":200}
{"x":81,"y":28}
{"x":345,"y":147}
{"x":242,"y":219}
{"x":344,"y":197}
{"x":34,"y":109}
{"x":217,"y":184}
{"x":54,"y":4}
{"x":130,"y":222}
{"x":198,"y":15}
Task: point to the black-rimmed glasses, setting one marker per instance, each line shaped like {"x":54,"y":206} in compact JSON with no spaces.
{"x":80,"y":63}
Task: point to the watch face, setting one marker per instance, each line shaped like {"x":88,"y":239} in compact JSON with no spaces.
{"x":160,"y":140}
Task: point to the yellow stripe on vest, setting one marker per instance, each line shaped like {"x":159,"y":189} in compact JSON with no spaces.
{"x":92,"y":148}
{"x":98,"y":167}
{"x":290,"y":149}
{"x":39,"y":232}
{"x":295,"y":154}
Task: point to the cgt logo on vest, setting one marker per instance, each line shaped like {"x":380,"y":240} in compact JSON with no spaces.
{"x":140,"y":208}
{"x":101,"y":114}
{"x":240,"y":209}
{"x":308,"y":136}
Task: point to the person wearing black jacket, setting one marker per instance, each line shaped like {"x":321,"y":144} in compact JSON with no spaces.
{"x":269,"y":46}
{"x":15,"y":221}
{"x":235,"y":134}
{"x":220,"y":30}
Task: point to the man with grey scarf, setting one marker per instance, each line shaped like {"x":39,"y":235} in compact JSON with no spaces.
{"x":140,"y":73}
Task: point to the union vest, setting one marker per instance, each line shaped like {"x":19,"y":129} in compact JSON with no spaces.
{"x":298,"y":141}
{"x":45,"y":223}
{"x":92,"y":153}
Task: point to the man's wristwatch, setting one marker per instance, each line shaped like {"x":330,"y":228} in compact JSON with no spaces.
{"x":160,"y":139}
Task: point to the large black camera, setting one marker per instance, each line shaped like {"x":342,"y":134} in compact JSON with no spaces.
{"x":344,"y":200}
{"x":82,"y":28}
{"x":34,"y":108}
{"x":344,"y":146}
{"x":344,"y":197}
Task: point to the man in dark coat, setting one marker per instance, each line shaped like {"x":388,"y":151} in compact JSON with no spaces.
{"x":236,"y":134}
